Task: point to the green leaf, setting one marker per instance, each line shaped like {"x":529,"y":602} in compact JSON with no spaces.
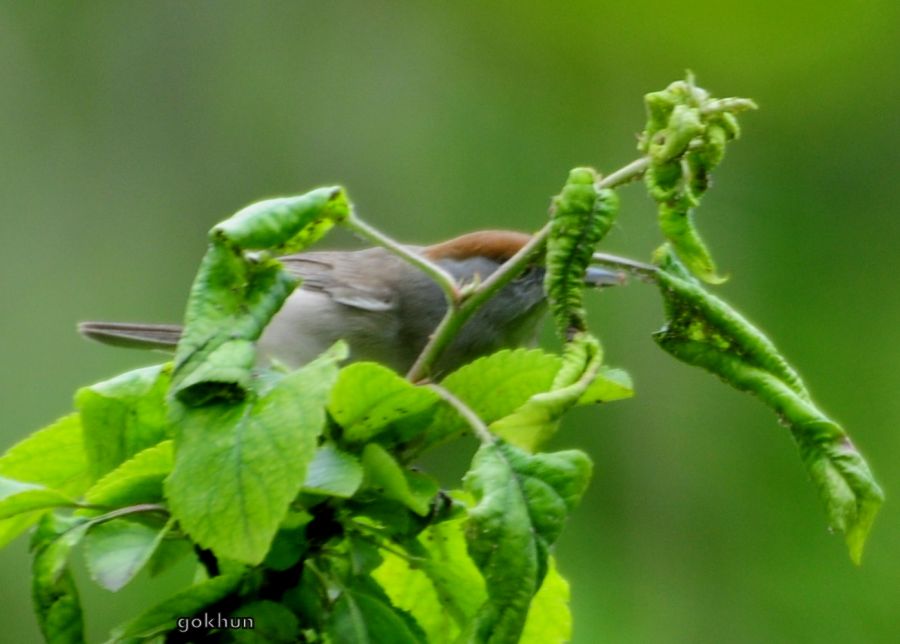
{"x":496,"y":386}
{"x":239,"y":466}
{"x":581,"y":215}
{"x":53,"y":457}
{"x":549,"y":618}
{"x":17,"y":498}
{"x":231,"y":301}
{"x":123,"y":416}
{"x":493,"y":387}
{"x":170,"y":552}
{"x":369,"y":399}
{"x":164,"y":616}
{"x":522,"y":503}
{"x":116,"y":550}
{"x":272,"y":624}
{"x":54,"y":593}
{"x":235,"y":294}
{"x":531,"y":425}
{"x":385,"y":476}
{"x":362,"y":618}
{"x":137,"y":480}
{"x":685,"y":138}
{"x":286,"y":224}
{"x":333,"y":472}
{"x":704,"y":331}
{"x":610,"y":384}
{"x":442,"y":589}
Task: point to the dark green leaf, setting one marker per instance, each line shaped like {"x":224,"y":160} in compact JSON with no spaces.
{"x":238,"y":466}
{"x":272,"y":624}
{"x":163,"y":617}
{"x":361,"y":618}
{"x":549,"y":618}
{"x":53,"y":589}
{"x":522,"y":502}
{"x":123,"y":416}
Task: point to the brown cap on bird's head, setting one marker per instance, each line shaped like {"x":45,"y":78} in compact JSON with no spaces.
{"x":498,"y":245}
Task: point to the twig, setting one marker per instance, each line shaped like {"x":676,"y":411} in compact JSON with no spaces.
{"x":459,"y":312}
{"x":478,"y":427}
{"x":639,"y":269}
{"x":443,"y":279}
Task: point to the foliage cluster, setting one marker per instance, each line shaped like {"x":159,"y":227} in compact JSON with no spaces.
{"x":295,"y":491}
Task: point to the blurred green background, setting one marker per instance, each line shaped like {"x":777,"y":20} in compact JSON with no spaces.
{"x":128,"y":129}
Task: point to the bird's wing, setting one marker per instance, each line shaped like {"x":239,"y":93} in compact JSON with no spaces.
{"x":339,"y":277}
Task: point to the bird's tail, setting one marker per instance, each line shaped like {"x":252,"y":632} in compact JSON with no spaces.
{"x":133,"y":336}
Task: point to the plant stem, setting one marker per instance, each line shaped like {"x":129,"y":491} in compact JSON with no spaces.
{"x":460,"y":310}
{"x":478,"y":427}
{"x":443,"y":279}
{"x":639,"y":269}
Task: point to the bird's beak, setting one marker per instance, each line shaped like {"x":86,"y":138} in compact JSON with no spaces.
{"x":599,"y":277}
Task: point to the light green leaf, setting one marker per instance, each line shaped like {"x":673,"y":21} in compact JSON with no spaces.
{"x":385,"y":476}
{"x":443,"y":589}
{"x":17,"y":498}
{"x":704,"y":331}
{"x":53,"y":457}
{"x":239,"y":466}
{"x":333,"y":472}
{"x":610,"y":384}
{"x":123,"y":416}
{"x":522,"y":503}
{"x":116,"y":550}
{"x":549,"y":618}
{"x":53,"y":589}
{"x":163,"y":617}
{"x":137,"y":480}
{"x":493,"y":387}
{"x":285,"y":224}
{"x":532,"y":424}
{"x":369,"y":398}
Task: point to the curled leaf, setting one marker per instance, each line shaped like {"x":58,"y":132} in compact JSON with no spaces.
{"x":704,"y":331}
{"x":581,"y":217}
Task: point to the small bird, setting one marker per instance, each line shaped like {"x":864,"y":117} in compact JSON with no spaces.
{"x":385,"y":308}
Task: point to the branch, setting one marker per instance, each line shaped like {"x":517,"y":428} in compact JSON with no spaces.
{"x":459,"y":312}
{"x":441,"y":277}
{"x":478,"y":427}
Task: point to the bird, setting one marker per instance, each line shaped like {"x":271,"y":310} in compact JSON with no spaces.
{"x":385,"y":308}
